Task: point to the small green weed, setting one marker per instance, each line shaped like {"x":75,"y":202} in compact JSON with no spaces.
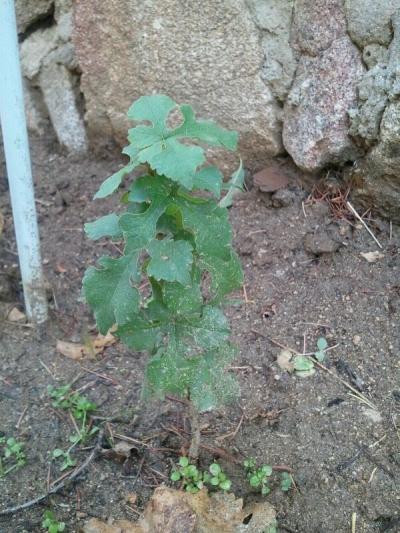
{"x":304,"y":365}
{"x":219,"y":478}
{"x":193,"y":479}
{"x":12,"y":455}
{"x":259,"y":477}
{"x":51,"y":524}
{"x":286,"y":482}
{"x":68,"y":461}
{"x":80,"y":408}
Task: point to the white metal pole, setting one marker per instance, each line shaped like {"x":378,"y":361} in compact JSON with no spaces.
{"x":16,"y":148}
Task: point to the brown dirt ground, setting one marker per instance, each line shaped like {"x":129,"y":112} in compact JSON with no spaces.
{"x":345,"y":457}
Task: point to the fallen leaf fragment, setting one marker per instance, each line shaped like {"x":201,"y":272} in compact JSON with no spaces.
{"x":172,"y":510}
{"x":372,"y":257}
{"x":91,"y":348}
{"x":72,"y":350}
{"x":284,"y":360}
{"x":15,"y":315}
{"x":120,"y":452}
{"x":102,"y":341}
{"x":131,"y":498}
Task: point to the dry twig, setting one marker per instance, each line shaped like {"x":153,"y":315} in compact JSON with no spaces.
{"x":355,"y":392}
{"x":363,"y":223}
{"x":57,"y":487}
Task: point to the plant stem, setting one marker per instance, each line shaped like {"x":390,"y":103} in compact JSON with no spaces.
{"x":195,"y":429}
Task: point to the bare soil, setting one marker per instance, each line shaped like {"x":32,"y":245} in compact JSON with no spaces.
{"x":345,"y":455}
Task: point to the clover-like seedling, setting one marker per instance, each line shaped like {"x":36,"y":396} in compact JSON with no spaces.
{"x":286,"y":482}
{"x":79,"y":407}
{"x":61,"y":396}
{"x":190,"y":477}
{"x":193,"y":479}
{"x":67,"y":460}
{"x":12,"y":455}
{"x":322,"y":346}
{"x":177,"y":238}
{"x":51,"y":524}
{"x":219,"y":478}
{"x":258,"y":477}
{"x":304,"y":365}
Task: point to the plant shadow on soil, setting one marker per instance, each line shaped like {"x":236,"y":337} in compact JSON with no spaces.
{"x":345,"y":456}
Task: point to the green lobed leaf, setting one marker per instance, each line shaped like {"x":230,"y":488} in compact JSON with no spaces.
{"x":170,"y":260}
{"x":141,"y":228}
{"x":107,"y":226}
{"x":212,"y":385}
{"x":202,"y":377}
{"x":227,"y":276}
{"x":183,"y":300}
{"x":160,"y":146}
{"x":109,"y":292}
{"x":140,"y":333}
{"x":169,"y":372}
{"x":112,"y":183}
{"x":210,"y":227}
{"x":208,"y":331}
{"x":209,"y":179}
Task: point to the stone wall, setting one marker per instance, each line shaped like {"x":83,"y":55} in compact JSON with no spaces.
{"x":51,"y":72}
{"x":318,"y":79}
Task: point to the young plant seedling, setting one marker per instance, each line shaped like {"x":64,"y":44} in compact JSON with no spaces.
{"x":286,"y":482}
{"x":68,"y":461}
{"x":176,"y":235}
{"x":219,"y":479}
{"x":193,"y":480}
{"x":259,"y":478}
{"x":304,"y":365}
{"x":51,"y":524}
{"x":322,"y":345}
{"x":12,"y":455}
{"x":188,"y":474}
{"x":80,"y":408}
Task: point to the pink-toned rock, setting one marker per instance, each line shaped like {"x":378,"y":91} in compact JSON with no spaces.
{"x":204,"y":53}
{"x":316,"y":124}
{"x":271,"y":178}
{"x":317,"y":24}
